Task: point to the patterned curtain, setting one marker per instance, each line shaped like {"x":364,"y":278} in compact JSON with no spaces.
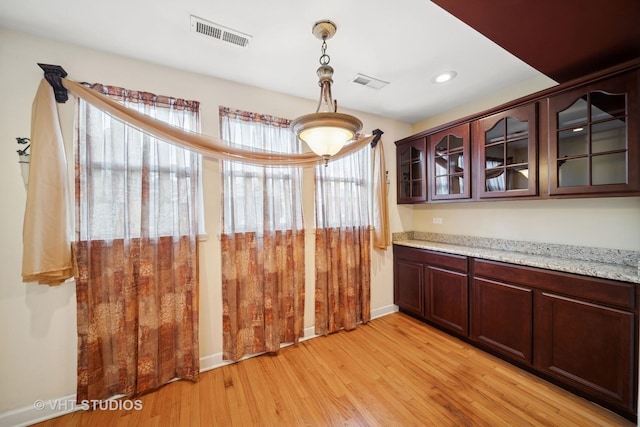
{"x":262,"y":240}
{"x":343,"y":260}
{"x":136,"y":251}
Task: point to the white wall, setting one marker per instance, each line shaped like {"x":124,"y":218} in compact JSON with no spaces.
{"x":612,"y":223}
{"x":37,"y":323}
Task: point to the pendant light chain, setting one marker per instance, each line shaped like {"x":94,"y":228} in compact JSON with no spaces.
{"x":326,"y":131}
{"x":324,"y":58}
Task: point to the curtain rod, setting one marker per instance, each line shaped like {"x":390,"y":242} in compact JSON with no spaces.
{"x":54,"y":74}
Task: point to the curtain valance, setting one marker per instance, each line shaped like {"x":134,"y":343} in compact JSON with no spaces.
{"x":208,"y":146}
{"x":47,"y":230}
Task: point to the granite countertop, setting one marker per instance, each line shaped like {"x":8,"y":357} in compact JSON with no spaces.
{"x":595,"y":262}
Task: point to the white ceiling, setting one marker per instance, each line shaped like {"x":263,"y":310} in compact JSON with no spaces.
{"x":404,"y":42}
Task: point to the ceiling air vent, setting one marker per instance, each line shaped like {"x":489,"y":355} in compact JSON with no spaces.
{"x":212,"y":30}
{"x":367,"y":81}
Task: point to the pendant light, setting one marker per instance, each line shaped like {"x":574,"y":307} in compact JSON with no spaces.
{"x":326,"y":131}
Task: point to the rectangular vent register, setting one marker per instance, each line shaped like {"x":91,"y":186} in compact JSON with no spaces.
{"x":216,"y":31}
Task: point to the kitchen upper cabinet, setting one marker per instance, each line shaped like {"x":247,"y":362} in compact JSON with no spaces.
{"x":506,"y":151}
{"x":450,"y":164}
{"x":579,"y":139}
{"x":411,"y":158}
{"x":594,"y":138}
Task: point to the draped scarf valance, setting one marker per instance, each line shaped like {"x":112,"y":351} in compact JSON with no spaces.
{"x":47,"y":233}
{"x":208,"y":146}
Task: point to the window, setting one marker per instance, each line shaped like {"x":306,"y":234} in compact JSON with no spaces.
{"x":342,"y":189}
{"x":123,"y":165}
{"x":258,"y":198}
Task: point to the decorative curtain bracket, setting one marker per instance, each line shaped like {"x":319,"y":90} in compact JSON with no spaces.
{"x":24,"y":159}
{"x":54,"y":75}
{"x":378,"y":134}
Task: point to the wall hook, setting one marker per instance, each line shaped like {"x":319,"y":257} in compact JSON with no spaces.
{"x":24,"y":159}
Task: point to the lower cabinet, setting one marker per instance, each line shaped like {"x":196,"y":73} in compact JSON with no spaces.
{"x":433,"y":286}
{"x":580,"y":332}
{"x":447,"y":299}
{"x":587,"y":345}
{"x":502,"y":318}
{"x":409,"y":294}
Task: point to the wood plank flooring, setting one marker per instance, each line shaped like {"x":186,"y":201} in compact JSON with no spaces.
{"x":394,"y":371}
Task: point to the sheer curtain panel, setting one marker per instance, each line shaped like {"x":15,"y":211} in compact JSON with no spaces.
{"x":40,"y":244}
{"x":262,"y":239}
{"x":343,"y":257}
{"x":136,"y":228}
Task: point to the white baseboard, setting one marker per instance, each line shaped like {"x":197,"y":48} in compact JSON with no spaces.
{"x":45,"y":409}
{"x":383,"y":311}
{"x":40,"y":410}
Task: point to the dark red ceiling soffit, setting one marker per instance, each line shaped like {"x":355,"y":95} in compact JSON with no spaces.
{"x":563,"y":39}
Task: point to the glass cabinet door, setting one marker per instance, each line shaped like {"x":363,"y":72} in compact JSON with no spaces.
{"x":506,"y":151}
{"x":593,"y":141}
{"x":450,"y":164}
{"x":411,"y":164}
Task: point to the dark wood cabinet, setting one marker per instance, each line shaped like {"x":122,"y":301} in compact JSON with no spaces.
{"x":411,"y":160}
{"x":578,"y":331}
{"x":449,"y":153}
{"x":587,"y":345}
{"x":502,"y":318}
{"x":506,"y":153}
{"x":443,"y":287}
{"x":408,"y":290}
{"x":447,"y":291}
{"x":594,"y":138}
{"x":578,"y":139}
{"x":447,"y":299}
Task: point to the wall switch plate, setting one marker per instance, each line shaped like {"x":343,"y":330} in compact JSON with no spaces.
{"x":437,"y":220}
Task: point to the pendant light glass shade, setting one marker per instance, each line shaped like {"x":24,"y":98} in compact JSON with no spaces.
{"x":326,"y":131}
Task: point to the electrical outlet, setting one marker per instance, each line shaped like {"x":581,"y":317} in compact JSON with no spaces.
{"x":437,"y":220}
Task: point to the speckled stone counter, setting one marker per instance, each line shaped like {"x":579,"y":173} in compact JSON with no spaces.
{"x":596,"y":262}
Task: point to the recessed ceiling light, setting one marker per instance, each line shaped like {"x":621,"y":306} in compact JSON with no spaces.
{"x":444,"y":77}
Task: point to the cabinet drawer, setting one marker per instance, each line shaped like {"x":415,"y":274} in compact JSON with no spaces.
{"x":589,"y":288}
{"x":451,"y":262}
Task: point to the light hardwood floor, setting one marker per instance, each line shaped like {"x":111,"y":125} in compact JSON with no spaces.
{"x":394,"y":371}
